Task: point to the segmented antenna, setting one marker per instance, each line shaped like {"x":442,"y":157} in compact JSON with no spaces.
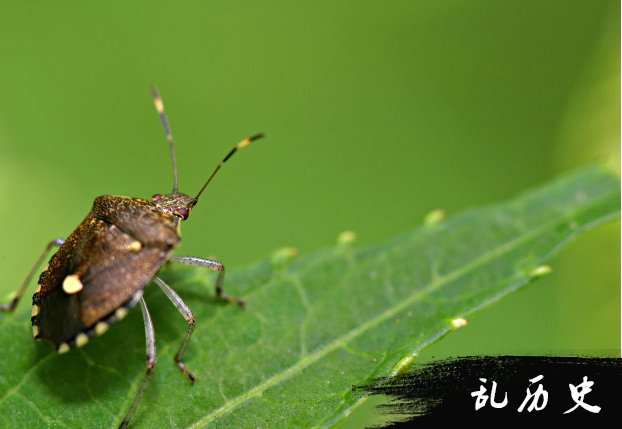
{"x":242,"y":144}
{"x":157,"y":100}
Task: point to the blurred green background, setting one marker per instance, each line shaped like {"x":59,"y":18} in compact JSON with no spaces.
{"x":375,"y":115}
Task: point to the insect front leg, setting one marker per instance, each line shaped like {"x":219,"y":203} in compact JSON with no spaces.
{"x":212,"y":265}
{"x":20,"y":292}
{"x":151,"y":362}
{"x":189,"y":316}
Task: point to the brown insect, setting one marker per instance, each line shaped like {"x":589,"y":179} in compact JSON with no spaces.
{"x":100,"y":271}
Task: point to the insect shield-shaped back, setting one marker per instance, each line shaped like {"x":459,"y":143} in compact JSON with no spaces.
{"x":100,"y":271}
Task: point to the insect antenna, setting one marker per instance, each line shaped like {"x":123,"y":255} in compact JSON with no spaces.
{"x":157,"y":100}
{"x":247,"y":141}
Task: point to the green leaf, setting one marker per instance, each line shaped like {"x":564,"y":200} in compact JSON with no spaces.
{"x":314,"y":325}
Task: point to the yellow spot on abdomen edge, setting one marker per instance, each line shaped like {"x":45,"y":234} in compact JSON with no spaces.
{"x":101,"y":328}
{"x":120,"y":313}
{"x":81,"y":339}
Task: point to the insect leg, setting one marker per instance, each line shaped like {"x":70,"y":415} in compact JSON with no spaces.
{"x":187,"y":313}
{"x":212,"y":265}
{"x":20,"y":292}
{"x":151,"y":362}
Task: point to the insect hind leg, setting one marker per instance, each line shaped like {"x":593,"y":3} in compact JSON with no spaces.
{"x":215,"y":266}
{"x":151,"y":363}
{"x":20,"y":292}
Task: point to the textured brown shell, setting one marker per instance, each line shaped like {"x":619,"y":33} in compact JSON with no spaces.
{"x":112,"y":265}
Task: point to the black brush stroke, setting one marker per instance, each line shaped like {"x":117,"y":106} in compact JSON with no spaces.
{"x":440,"y":392}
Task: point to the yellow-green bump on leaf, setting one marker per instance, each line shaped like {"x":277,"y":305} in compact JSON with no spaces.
{"x":434,"y":217}
{"x":345,"y":242}
{"x":346,"y":238}
{"x":284,"y":255}
{"x":542,"y":270}
{"x":403,"y":365}
{"x":458,"y":322}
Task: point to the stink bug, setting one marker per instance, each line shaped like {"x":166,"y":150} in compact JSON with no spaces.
{"x":99,"y":272}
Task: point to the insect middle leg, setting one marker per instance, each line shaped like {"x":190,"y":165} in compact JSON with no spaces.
{"x":189,"y":316}
{"x":20,"y":292}
{"x":212,"y":265}
{"x":151,"y":362}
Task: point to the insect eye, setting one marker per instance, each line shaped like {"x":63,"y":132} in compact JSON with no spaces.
{"x":156,"y":197}
{"x":182,"y":213}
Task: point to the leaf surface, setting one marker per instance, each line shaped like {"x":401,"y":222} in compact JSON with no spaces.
{"x":312,"y":328}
